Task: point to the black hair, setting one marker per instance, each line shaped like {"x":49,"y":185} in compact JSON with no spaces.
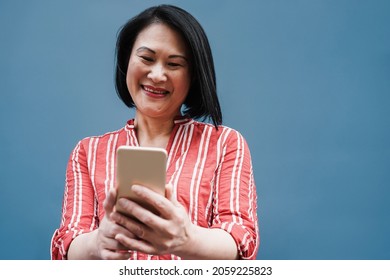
{"x":202,"y":100}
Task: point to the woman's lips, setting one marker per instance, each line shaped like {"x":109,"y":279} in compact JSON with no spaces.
{"x":154,"y":91}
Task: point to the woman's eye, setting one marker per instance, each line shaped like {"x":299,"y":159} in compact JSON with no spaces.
{"x":147,"y":58}
{"x":173,"y":64}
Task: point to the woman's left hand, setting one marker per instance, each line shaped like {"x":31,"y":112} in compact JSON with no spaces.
{"x":169,"y":233}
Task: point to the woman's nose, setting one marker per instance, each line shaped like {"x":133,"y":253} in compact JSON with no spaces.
{"x":157,"y":73}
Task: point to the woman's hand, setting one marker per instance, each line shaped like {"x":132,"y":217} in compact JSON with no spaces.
{"x":107,"y":246}
{"x":169,"y":233}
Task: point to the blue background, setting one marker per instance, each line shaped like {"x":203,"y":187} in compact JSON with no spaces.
{"x":306,"y":82}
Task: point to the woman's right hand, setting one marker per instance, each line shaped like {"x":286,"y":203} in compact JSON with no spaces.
{"x":107,"y":246}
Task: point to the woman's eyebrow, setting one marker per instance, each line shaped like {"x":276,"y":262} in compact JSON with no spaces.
{"x":178,"y":56}
{"x":143,"y":48}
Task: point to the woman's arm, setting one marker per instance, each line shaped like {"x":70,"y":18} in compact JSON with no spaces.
{"x":78,"y":209}
{"x":81,"y":234}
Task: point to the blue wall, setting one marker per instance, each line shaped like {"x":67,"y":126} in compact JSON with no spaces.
{"x":306,"y":82}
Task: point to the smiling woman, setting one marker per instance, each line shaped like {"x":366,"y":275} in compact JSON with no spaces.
{"x":158,"y":74}
{"x":165,"y":71}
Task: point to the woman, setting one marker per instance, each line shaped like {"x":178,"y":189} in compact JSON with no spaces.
{"x":164,"y":67}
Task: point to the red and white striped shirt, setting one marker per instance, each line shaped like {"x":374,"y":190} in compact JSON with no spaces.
{"x":210,"y":171}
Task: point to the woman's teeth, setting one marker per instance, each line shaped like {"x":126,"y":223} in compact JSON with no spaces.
{"x":155,"y":91}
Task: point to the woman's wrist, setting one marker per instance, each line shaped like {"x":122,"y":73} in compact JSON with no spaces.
{"x":190,"y":247}
{"x":208,"y":243}
{"x":93,"y":247}
{"x":84,"y":246}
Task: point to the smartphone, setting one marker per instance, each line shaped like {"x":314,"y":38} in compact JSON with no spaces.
{"x":145,"y":166}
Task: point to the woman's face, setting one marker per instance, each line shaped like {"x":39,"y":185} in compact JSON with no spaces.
{"x":158,"y":75}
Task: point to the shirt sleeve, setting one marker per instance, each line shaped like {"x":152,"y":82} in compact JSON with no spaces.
{"x":235,"y":204}
{"x":78,"y":208}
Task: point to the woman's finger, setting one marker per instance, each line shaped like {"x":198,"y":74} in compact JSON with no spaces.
{"x":109,"y":202}
{"x":134,"y":244}
{"x":135,"y":228}
{"x":163,"y":206}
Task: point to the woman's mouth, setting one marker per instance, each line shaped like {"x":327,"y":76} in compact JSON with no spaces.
{"x":154,"y":92}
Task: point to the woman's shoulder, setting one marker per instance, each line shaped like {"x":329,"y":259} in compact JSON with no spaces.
{"x":217,"y":129}
{"x":106,"y":136}
{"x":221,"y":131}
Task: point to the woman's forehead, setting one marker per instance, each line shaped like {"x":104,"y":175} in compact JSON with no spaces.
{"x":157,"y":36}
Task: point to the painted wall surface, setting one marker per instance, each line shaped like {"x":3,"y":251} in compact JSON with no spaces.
{"x":306,"y":82}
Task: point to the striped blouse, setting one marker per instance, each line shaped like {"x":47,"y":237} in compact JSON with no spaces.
{"x":210,"y":171}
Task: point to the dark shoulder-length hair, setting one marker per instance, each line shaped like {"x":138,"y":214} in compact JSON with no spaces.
{"x":202,"y":100}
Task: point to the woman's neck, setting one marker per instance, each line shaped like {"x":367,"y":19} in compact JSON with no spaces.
{"x":153,"y":132}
